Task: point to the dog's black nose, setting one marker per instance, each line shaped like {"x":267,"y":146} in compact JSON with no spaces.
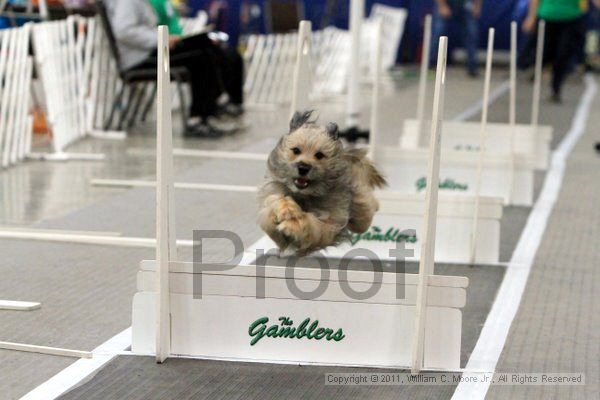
{"x":303,"y":168}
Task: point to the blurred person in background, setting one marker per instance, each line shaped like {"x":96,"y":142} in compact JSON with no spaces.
{"x":465,"y":14}
{"x":134,"y":23}
{"x":564,"y":38}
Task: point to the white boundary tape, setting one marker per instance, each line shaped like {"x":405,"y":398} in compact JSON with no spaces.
{"x":495,"y":331}
{"x":79,"y":370}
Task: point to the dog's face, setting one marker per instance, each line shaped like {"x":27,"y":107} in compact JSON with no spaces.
{"x":308,"y":160}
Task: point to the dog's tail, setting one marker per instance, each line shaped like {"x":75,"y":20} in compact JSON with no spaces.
{"x":364,"y":168}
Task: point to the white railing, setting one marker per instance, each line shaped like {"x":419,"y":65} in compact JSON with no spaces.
{"x":15,"y":95}
{"x":270,"y":58}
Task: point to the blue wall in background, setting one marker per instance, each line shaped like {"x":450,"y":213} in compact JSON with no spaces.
{"x":496,"y":13}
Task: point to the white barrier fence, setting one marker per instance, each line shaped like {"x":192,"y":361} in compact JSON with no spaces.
{"x":104,"y":82}
{"x":15,"y":95}
{"x":79,"y":80}
{"x":270,"y":58}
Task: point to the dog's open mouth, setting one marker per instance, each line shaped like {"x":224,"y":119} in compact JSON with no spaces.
{"x":301,"y":183}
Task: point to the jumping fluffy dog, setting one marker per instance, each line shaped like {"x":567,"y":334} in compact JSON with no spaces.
{"x":316,"y":192}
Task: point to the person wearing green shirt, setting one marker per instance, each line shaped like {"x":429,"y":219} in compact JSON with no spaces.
{"x":565,"y":35}
{"x":167,"y":15}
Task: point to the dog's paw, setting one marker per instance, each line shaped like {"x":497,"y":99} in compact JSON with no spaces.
{"x":287,"y":209}
{"x":294,"y":229}
{"x":289,"y":251}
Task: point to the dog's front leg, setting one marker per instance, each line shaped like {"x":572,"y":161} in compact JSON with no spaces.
{"x":276,"y":209}
{"x":308,"y":233}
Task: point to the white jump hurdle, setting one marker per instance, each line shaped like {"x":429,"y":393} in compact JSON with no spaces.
{"x":524,"y":141}
{"x":15,"y":95}
{"x":498,"y":175}
{"x":231,"y":322}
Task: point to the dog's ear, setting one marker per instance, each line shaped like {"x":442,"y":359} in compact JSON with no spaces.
{"x":300,"y":118}
{"x":333,"y":130}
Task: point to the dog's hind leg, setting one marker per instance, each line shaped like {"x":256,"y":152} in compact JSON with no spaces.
{"x":363,"y":208}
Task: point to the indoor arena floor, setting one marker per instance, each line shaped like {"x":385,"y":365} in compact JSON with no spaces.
{"x":86,"y":290}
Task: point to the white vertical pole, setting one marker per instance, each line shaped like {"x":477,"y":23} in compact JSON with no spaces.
{"x":374,"y":129}
{"x":301,"y":83}
{"x":512,"y":112}
{"x":357,"y":11}
{"x":539,"y":63}
{"x":165,"y":218}
{"x":512,"y":116}
{"x":43,"y":9}
{"x":482,"y":140}
{"x":423,"y":76}
{"x":431,"y":201}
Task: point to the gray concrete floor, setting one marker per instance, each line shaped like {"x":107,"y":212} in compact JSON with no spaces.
{"x":86,"y":290}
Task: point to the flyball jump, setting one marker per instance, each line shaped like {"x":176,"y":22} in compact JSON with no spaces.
{"x":526,"y":141}
{"x":229,"y":320}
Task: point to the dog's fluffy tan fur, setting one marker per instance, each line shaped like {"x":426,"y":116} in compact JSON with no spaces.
{"x":316,"y":192}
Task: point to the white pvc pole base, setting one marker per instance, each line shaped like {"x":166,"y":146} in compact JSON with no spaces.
{"x":229,"y":155}
{"x":66,"y":156}
{"x":125,"y":183}
{"x":19,"y":305}
{"x":54,"y":351}
{"x":108,"y":135}
{"x":61,"y":237}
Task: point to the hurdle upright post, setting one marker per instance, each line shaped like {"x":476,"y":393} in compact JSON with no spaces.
{"x":166,"y":249}
{"x":377,"y":64}
{"x":302,"y":82}
{"x":512,"y":111}
{"x":482,"y":140}
{"x":423,"y":76}
{"x":426,"y":264}
{"x":539,"y":63}
{"x":357,"y":13}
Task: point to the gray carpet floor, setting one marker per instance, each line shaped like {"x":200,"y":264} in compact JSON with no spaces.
{"x":86,"y":290}
{"x":557,"y":328}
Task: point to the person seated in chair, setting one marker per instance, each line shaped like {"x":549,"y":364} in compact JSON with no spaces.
{"x":216,"y":75}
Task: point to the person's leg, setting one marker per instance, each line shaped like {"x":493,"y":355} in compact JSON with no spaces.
{"x":470,"y":30}
{"x":439,"y":26}
{"x":204,"y":79}
{"x":233,"y":74}
{"x":567,"y":46}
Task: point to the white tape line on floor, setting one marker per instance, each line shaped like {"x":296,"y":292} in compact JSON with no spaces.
{"x":478,"y":106}
{"x":495,"y":331}
{"x":79,"y":370}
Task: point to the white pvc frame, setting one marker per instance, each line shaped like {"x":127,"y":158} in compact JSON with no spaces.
{"x":165,"y":249}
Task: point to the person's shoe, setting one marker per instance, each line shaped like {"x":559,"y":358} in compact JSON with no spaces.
{"x":473,"y":74}
{"x":233,"y":110}
{"x":555,"y":98}
{"x":202,"y":131}
{"x":222,"y":124}
{"x":228,"y":124}
{"x":597,"y":147}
